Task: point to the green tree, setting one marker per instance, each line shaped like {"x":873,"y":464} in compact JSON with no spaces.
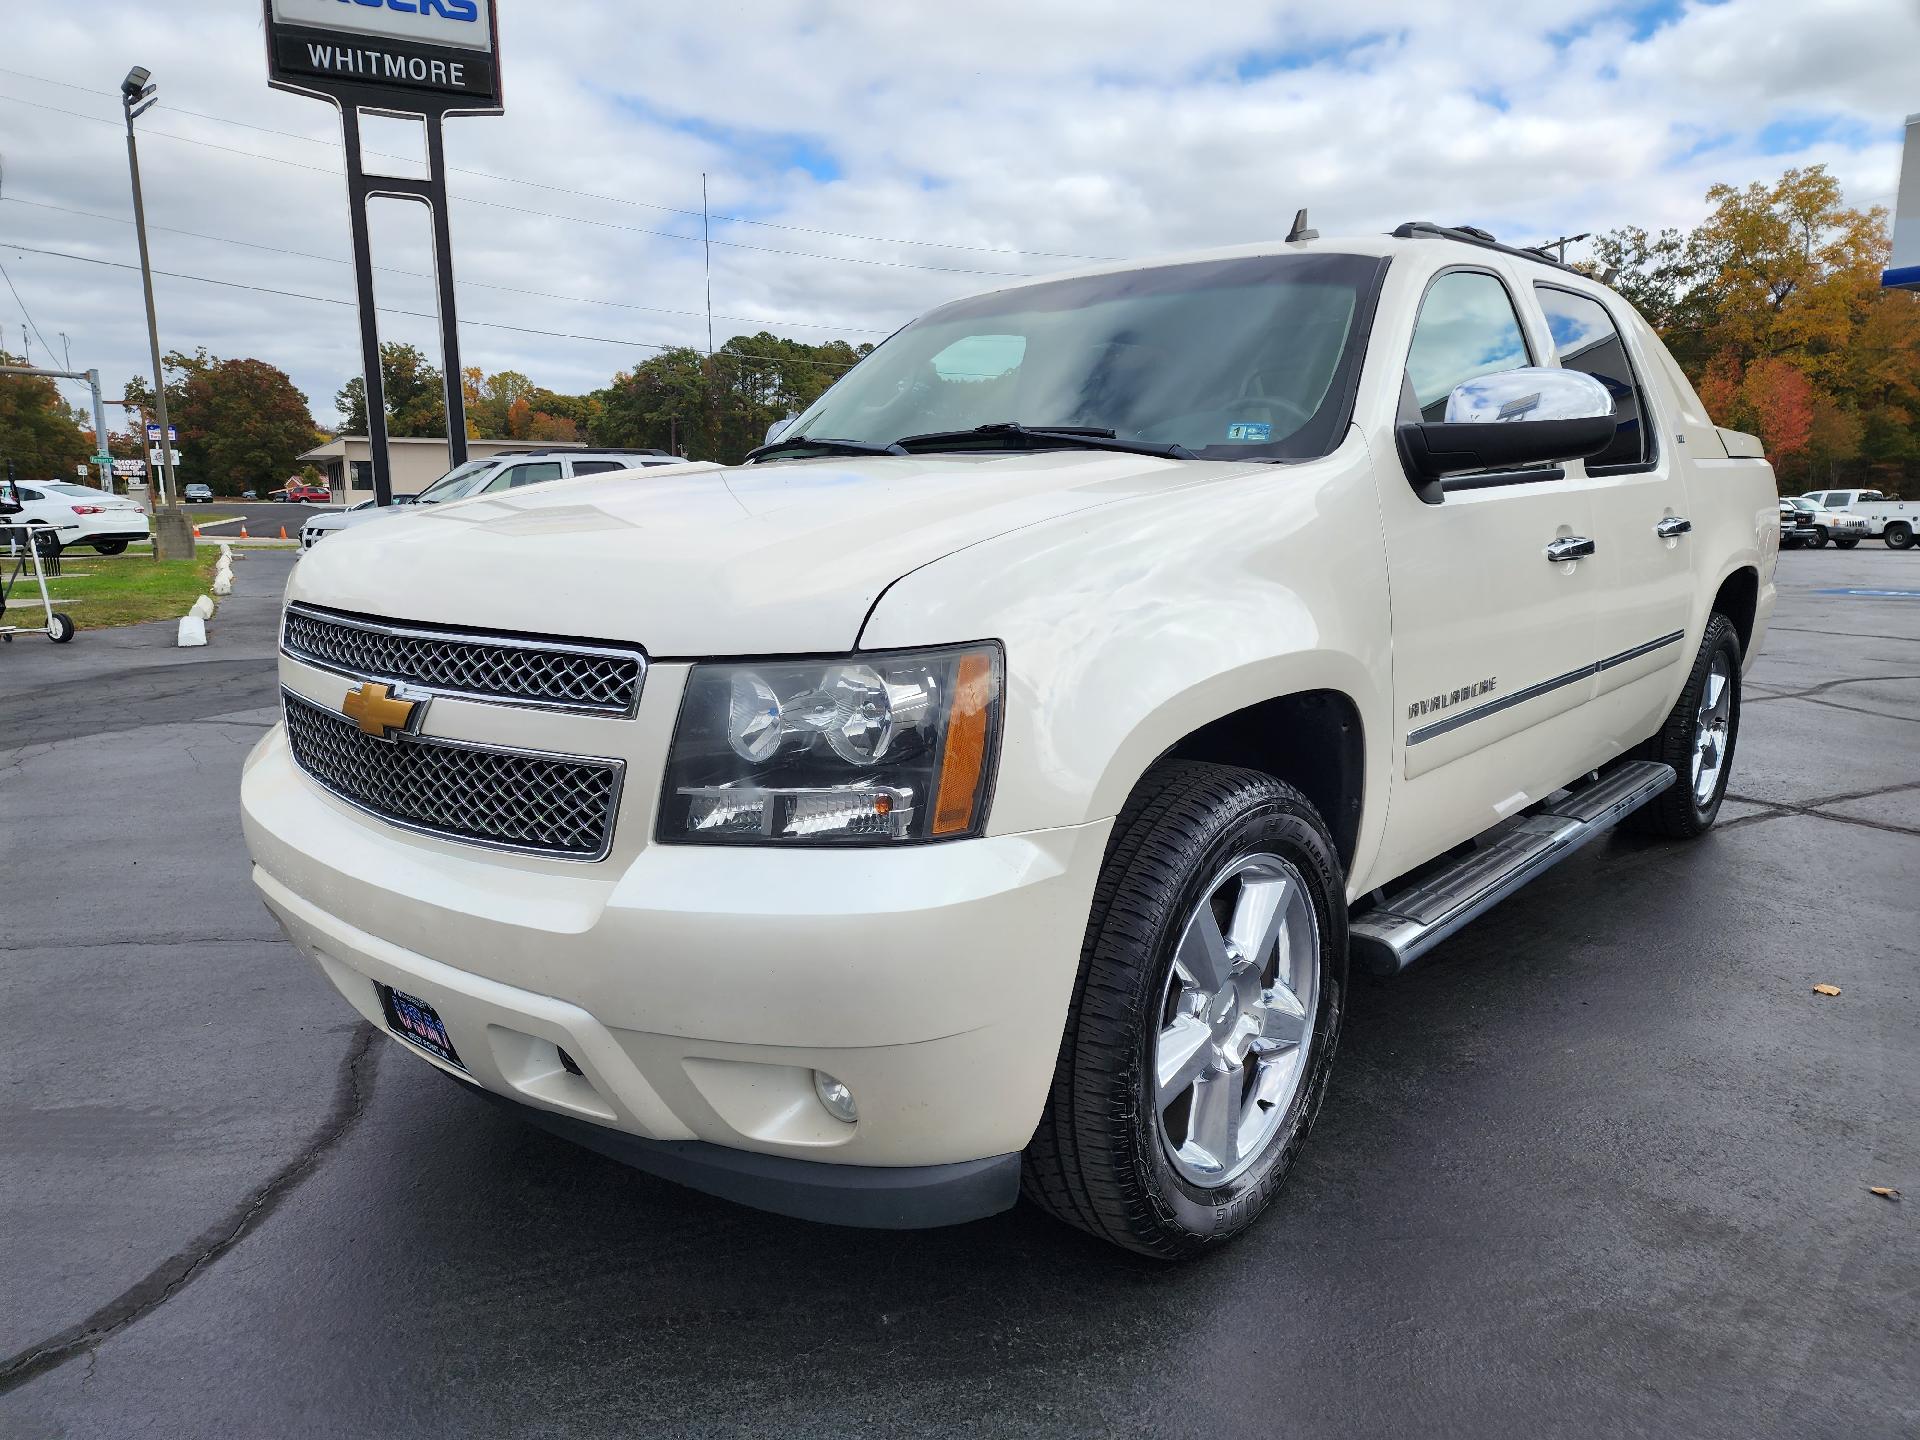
{"x":242,"y":423}
{"x":37,"y":431}
{"x":415,"y":392}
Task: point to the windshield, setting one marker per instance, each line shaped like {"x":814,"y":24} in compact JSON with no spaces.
{"x":457,"y":483}
{"x":1229,"y":359}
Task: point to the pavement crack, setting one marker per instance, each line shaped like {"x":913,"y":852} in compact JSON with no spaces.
{"x":1818,"y":810}
{"x":1825,"y":686}
{"x":353,"y":1087}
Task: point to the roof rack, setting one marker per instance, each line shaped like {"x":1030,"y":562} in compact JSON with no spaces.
{"x":1473,"y":235}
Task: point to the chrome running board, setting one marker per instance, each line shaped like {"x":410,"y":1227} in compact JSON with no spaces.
{"x":1401,"y":928}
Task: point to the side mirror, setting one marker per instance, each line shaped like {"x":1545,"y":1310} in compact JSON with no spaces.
{"x":1531,"y":416}
{"x":774,"y":430}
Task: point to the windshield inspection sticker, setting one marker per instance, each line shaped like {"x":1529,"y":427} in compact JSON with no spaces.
{"x":1252,"y":430}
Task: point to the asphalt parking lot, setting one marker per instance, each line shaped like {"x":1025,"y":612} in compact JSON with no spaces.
{"x":1598,"y":1166}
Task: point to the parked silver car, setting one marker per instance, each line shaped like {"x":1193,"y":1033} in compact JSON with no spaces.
{"x":484,"y":476}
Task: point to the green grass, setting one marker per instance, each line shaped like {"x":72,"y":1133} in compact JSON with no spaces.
{"x":102,"y":590}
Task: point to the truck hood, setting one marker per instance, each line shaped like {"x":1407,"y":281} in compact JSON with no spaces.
{"x":697,"y":560}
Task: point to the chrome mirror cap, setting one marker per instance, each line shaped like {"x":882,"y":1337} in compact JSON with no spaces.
{"x":1531,"y":393}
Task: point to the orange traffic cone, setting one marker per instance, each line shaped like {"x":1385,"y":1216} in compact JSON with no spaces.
{"x":243,"y":533}
{"x":283,"y":532}
{"x":196,"y":532}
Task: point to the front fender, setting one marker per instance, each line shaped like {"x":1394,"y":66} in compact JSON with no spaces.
{"x":1129,"y":627}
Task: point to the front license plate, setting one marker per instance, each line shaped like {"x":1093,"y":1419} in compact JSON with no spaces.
{"x":417,"y":1022}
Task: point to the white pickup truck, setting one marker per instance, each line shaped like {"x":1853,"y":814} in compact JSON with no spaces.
{"x":985,"y":787}
{"x":1896,"y":522}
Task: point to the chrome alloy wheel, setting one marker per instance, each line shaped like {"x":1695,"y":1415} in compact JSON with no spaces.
{"x":1236,"y":1019}
{"x":1710,"y":730}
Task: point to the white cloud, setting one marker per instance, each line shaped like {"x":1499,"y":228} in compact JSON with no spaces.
{"x":1111,"y":128}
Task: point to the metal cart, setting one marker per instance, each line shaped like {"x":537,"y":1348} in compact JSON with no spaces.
{"x":24,"y":542}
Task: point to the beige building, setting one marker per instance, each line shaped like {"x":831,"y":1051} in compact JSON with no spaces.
{"x":347,"y":463}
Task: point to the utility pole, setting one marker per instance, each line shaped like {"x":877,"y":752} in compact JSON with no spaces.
{"x":706,"y":240}
{"x":172,"y":531}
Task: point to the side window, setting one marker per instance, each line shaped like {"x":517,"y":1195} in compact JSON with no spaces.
{"x":27,"y":492}
{"x":596,"y":467}
{"x":1467,"y":327}
{"x":532,"y":473}
{"x":1836,"y":499}
{"x":1585,"y":338}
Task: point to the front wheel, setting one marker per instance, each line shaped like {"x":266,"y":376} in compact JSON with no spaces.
{"x":1899,"y":536}
{"x":1848,"y":543}
{"x":1819,"y":539}
{"x":1205,"y":1016}
{"x":60,"y":628}
{"x":1697,"y":740}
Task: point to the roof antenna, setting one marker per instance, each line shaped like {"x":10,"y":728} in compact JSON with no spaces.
{"x":1300,"y":230}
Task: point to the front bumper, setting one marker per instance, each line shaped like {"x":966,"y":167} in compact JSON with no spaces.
{"x":698,"y":988}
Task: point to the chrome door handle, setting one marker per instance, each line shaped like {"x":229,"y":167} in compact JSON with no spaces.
{"x":1570,"y":547}
{"x":1673,"y":525}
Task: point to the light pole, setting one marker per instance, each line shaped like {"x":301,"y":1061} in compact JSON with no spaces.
{"x":172,"y":531}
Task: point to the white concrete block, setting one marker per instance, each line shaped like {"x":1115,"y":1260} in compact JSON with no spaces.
{"x":193,"y":631}
{"x":202,"y":608}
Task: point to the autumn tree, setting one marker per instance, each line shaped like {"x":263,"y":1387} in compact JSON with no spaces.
{"x":1773,"y":307}
{"x":415,"y":393}
{"x":242,"y":423}
{"x":37,"y":431}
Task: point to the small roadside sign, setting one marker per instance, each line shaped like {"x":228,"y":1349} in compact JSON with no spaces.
{"x":153,"y":434}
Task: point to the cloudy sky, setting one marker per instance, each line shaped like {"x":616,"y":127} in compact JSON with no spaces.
{"x":872,"y":160}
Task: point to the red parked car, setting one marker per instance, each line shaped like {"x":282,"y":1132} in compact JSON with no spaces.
{"x":300,"y":494}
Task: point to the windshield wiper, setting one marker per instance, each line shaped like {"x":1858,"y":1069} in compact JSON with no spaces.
{"x":1039,"y":437}
{"x":824,"y":444}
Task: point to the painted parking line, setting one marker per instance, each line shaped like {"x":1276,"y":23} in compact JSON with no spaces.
{"x":1875,"y":594}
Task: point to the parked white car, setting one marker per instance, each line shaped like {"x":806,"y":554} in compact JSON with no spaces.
{"x":82,"y":515}
{"x":986,"y":785}
{"x":1896,"y":522}
{"x":507,"y":471}
{"x":1819,"y":525}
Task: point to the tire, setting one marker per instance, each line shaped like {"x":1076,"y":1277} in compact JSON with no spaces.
{"x":1819,"y":539}
{"x":60,"y":629}
{"x":1682,"y":810}
{"x":1108,"y":1155}
{"x":1848,"y":543}
{"x":1899,"y":535}
{"x":109,"y":547}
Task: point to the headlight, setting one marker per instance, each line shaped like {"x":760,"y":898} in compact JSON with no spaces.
{"x":867,"y":749}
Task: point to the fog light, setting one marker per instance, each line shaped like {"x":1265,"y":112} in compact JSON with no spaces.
{"x":836,"y":1097}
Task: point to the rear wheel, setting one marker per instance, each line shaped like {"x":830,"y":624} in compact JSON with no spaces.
{"x":1899,"y":535}
{"x":109,"y":547}
{"x":1205,"y":1016}
{"x":1697,"y":740}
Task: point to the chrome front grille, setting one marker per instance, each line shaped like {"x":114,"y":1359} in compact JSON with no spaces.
{"x":560,"y":675}
{"x":559,"y":805}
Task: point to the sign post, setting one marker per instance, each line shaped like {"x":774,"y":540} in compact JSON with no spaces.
{"x":432,"y":59}
{"x":1904,"y":273}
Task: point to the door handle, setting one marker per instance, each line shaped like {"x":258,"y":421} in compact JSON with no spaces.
{"x":1569,"y":547}
{"x":1673,"y":525}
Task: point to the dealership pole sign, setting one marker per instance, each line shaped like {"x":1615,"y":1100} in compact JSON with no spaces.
{"x":1905,"y":269}
{"x":411,"y":58}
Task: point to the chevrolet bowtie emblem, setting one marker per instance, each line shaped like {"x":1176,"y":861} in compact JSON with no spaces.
{"x":378,"y":711}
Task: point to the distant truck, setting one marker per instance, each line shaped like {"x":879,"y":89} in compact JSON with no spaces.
{"x":1896,"y":522}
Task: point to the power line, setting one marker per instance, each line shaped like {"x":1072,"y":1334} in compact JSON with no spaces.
{"x":421,"y":314}
{"x":587,"y":194}
{"x":24,"y":311}
{"x":149,"y":131}
{"x":423,"y":275}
